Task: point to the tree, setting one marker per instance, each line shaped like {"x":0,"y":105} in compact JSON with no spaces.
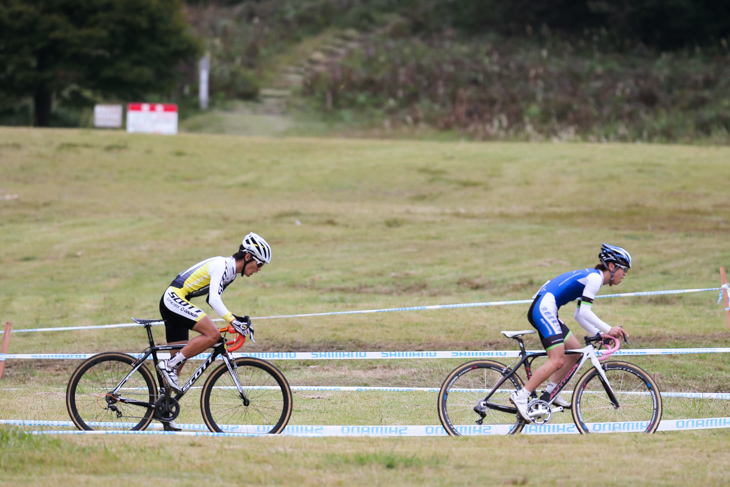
{"x":121,"y":48}
{"x":660,"y":24}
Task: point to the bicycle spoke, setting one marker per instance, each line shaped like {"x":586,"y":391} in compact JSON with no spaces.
{"x":268,"y":395}
{"x":91,"y":404}
{"x":465,"y":388}
{"x":639,"y":403}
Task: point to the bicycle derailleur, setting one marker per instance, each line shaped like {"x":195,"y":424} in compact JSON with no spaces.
{"x":111,"y":404}
{"x":481,"y":410}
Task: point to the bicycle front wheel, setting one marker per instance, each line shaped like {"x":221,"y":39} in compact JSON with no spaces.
{"x":264,"y":407}
{"x":639,"y":407}
{"x":465,"y":388}
{"x":93,"y":405}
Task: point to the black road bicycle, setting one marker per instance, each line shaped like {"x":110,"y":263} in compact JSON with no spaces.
{"x":115,"y":391}
{"x":610,"y":396}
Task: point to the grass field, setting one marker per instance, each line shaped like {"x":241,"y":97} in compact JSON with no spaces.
{"x":103,"y":221}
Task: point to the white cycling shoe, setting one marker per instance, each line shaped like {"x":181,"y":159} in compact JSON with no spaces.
{"x":521,"y":405}
{"x":560,"y":401}
{"x":169,"y":375}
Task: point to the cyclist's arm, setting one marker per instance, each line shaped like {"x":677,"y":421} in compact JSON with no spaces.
{"x":584,"y":314}
{"x":216,"y":270}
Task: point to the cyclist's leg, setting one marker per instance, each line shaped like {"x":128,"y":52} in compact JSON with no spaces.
{"x":571,"y":343}
{"x":177,"y":327}
{"x":209,"y":336}
{"x":543,"y":316}
{"x":180,"y":316}
{"x":555,"y":362}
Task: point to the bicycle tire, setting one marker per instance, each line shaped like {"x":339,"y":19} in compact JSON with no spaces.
{"x":265,"y":387}
{"x":640,"y":402}
{"x":89,"y":404}
{"x":468,"y":384}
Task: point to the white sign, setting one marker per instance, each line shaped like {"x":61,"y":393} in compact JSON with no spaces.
{"x":152,"y":118}
{"x":108,"y":116}
{"x":204,"y":66}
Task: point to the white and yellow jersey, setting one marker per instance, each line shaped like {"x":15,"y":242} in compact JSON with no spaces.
{"x":211,"y":276}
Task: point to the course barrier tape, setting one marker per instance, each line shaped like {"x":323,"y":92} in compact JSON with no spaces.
{"x":382,"y":355}
{"x":384,"y":310}
{"x":396,"y":430}
{"x":725,"y":396}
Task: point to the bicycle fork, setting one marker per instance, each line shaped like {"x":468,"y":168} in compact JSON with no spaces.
{"x":231,"y":365}
{"x":604,"y":380}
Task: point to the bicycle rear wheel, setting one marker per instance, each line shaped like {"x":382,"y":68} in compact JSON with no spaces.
{"x":465,"y":387}
{"x":639,"y":399}
{"x":264,"y":386}
{"x":91,"y":404}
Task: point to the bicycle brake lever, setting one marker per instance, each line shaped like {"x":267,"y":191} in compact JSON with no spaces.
{"x":625,"y":337}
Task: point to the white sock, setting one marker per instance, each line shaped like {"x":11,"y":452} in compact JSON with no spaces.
{"x":551,"y":387}
{"x":176,"y":360}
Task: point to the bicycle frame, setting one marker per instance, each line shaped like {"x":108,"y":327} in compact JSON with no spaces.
{"x":218,"y":350}
{"x":587,"y":353}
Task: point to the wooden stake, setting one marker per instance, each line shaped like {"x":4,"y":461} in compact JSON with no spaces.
{"x":725,"y":292}
{"x":4,"y":349}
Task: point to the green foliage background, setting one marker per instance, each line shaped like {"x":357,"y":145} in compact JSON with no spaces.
{"x":592,"y":71}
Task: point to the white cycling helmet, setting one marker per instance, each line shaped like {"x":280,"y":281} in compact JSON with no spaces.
{"x":617,"y":255}
{"x":257,"y":247}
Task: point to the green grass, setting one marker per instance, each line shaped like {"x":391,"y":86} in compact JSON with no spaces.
{"x":104,"y":220}
{"x":610,"y":459}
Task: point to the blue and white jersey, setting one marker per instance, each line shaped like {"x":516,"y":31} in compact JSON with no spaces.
{"x":554,"y":294}
{"x":572,"y":285}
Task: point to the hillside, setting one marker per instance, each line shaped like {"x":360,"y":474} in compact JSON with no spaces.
{"x":95,"y":224}
{"x":375,"y":71}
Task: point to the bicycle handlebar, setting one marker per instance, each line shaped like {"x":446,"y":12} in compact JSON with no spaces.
{"x":607,"y":353}
{"x":237,"y":342}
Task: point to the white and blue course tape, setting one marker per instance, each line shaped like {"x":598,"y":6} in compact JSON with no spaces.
{"x":392,"y":430}
{"x":381,"y":355}
{"x":384,"y":310}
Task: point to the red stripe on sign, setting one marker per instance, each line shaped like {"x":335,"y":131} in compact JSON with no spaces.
{"x":151,"y":107}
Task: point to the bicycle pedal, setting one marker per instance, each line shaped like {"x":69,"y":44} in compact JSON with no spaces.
{"x":170,"y":426}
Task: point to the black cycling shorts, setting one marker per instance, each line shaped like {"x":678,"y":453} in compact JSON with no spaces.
{"x":177,"y":328}
{"x":554,"y":339}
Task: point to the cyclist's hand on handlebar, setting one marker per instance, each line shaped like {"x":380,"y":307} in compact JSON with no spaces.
{"x":242,"y":319}
{"x":242,"y":324}
{"x":619,"y":332}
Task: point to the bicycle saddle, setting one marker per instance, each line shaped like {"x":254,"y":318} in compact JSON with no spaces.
{"x":147,"y":322}
{"x":516,"y":334}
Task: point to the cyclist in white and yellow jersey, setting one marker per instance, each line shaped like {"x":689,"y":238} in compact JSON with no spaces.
{"x":210,"y":277}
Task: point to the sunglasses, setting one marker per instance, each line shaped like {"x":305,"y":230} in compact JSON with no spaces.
{"x":259,"y":264}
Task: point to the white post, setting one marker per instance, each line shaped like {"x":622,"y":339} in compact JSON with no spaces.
{"x":204,"y":67}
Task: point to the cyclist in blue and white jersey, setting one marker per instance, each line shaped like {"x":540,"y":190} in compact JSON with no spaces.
{"x":582,"y":285}
{"x":209,"y":277}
